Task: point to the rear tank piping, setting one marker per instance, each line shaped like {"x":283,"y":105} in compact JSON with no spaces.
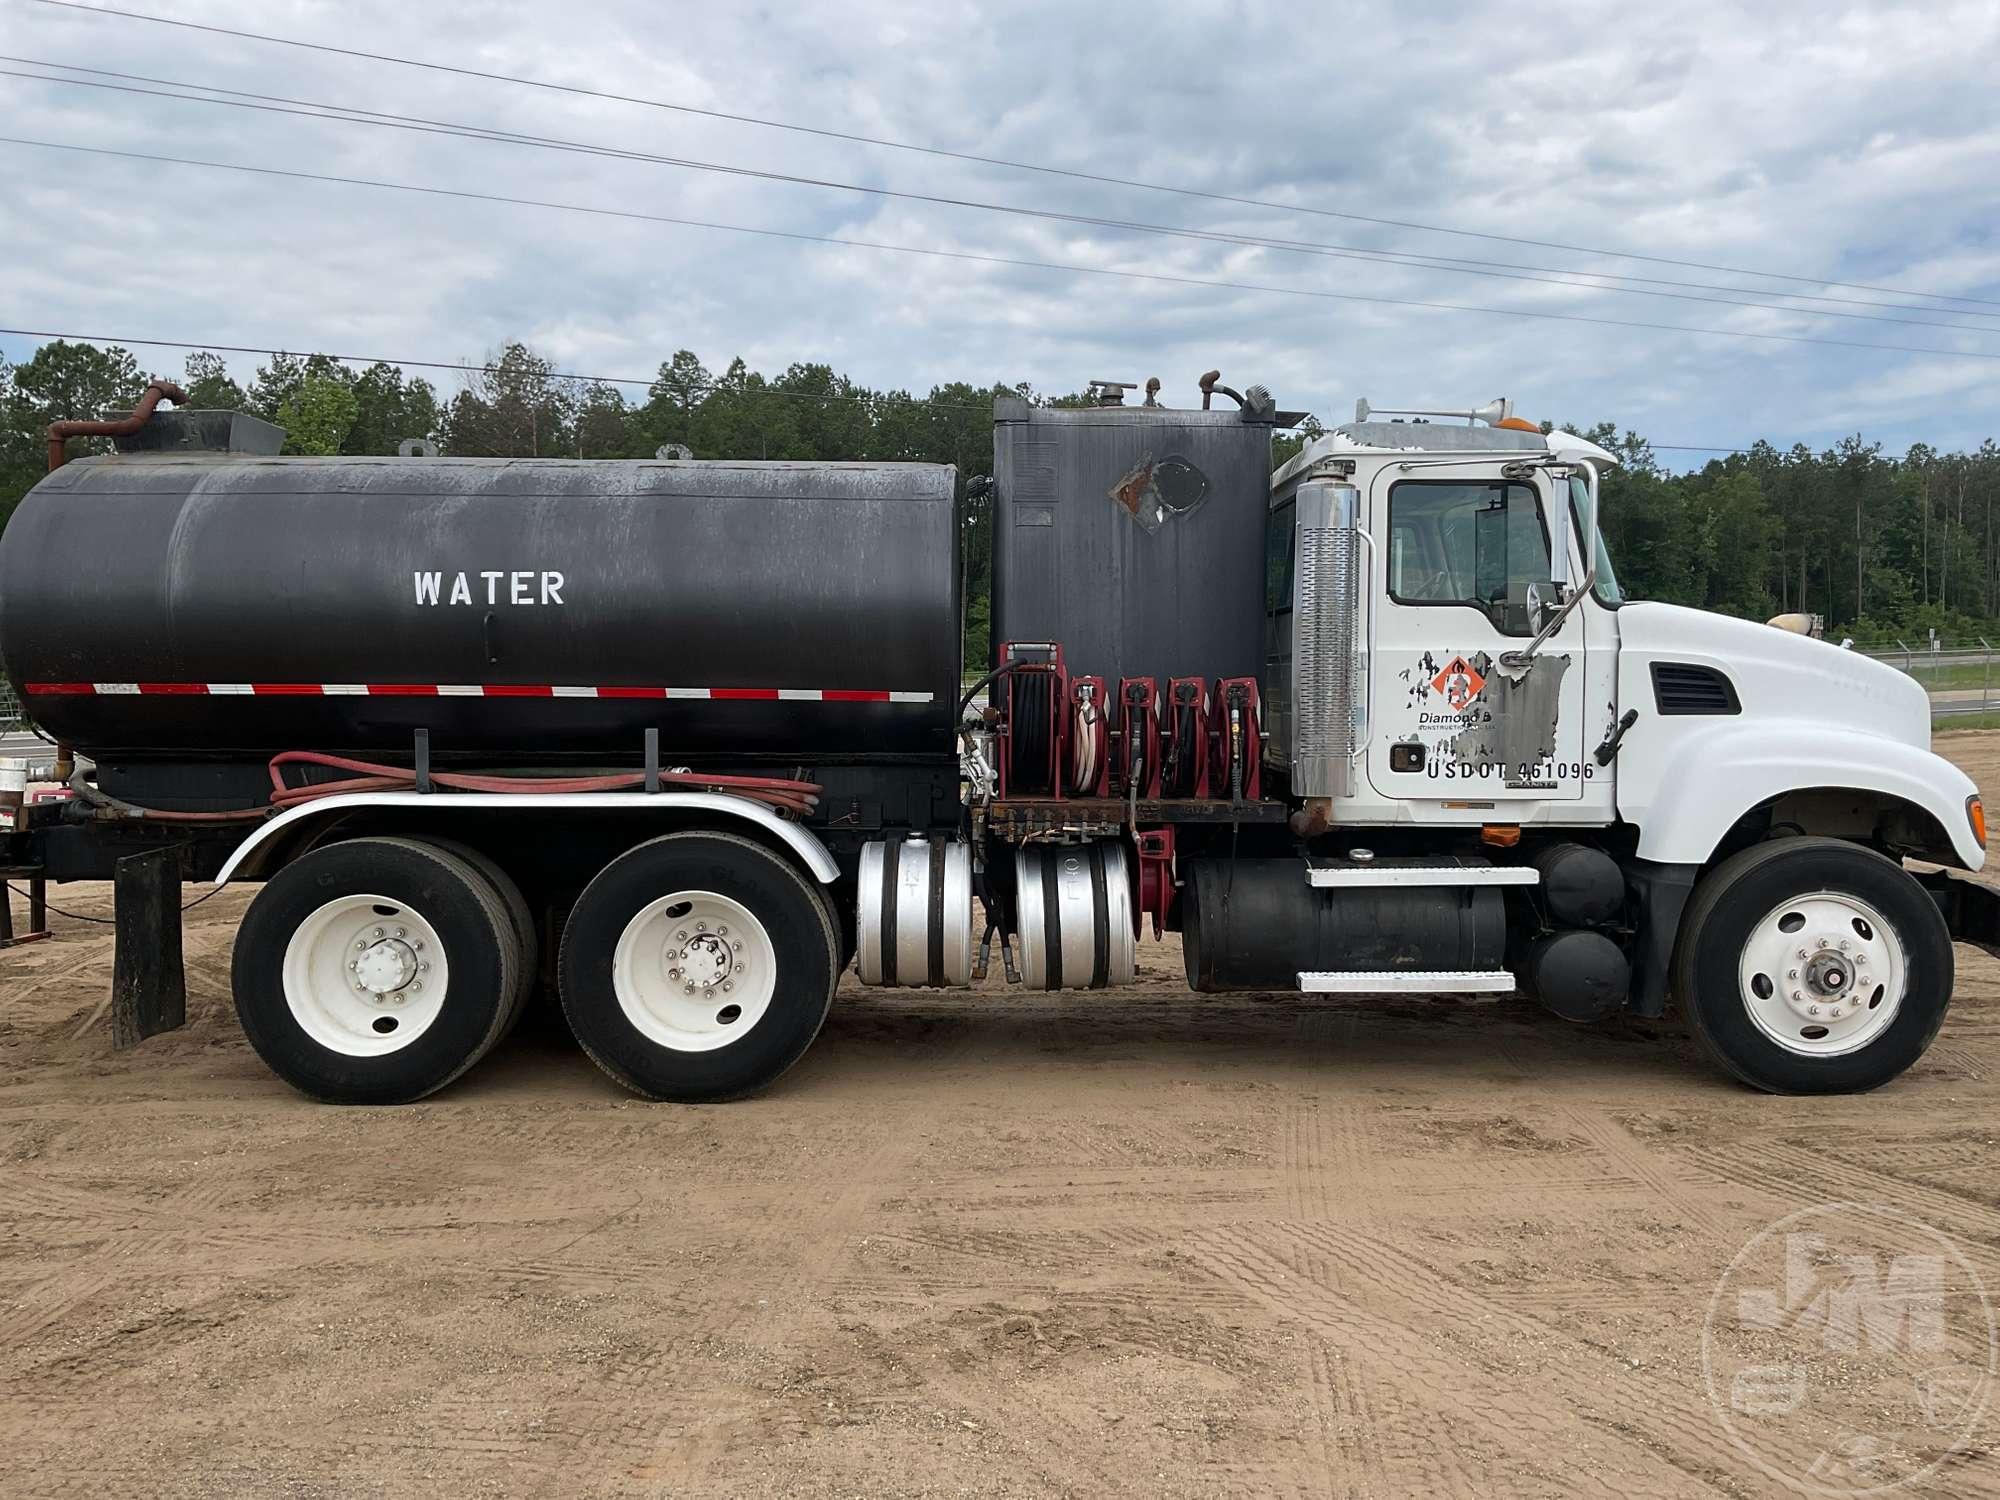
{"x":61,"y":432}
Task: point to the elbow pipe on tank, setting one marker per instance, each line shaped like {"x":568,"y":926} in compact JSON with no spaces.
{"x":1209,"y":387}
{"x":61,"y":432}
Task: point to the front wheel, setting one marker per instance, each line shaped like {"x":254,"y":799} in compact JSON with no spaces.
{"x":1813,"y":966}
{"x":698,"y":966}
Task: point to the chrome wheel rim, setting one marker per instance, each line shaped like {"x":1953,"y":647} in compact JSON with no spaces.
{"x":1822,"y":974}
{"x":694,"y":971}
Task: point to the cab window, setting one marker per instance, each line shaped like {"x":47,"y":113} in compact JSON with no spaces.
{"x":1479,"y":545}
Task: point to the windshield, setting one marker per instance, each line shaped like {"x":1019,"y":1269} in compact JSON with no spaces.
{"x":1606,"y":589}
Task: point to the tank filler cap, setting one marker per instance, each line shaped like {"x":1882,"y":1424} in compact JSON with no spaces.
{"x":416,"y":448}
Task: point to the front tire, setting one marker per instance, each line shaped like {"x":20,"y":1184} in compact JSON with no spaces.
{"x":374,"y":971}
{"x":1813,"y":966}
{"x":697,"y":966}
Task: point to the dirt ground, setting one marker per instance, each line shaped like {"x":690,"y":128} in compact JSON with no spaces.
{"x":1149,"y":1244}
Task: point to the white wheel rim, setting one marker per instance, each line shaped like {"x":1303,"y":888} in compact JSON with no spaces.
{"x":1822,"y":975}
{"x":694,"y":971}
{"x":365,"y":975}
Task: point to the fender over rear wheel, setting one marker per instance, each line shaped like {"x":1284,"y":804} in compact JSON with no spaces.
{"x":1813,"y":966}
{"x":374,"y":971}
{"x":698,"y":966}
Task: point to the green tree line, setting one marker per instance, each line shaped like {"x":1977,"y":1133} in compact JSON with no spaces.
{"x":1880,"y":545}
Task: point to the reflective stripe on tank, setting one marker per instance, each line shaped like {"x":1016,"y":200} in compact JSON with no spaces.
{"x":461,"y":690}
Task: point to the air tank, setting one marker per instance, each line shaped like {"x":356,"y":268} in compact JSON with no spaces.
{"x":168,"y":604}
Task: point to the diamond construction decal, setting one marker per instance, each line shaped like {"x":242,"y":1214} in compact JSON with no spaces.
{"x":1459,"y":682}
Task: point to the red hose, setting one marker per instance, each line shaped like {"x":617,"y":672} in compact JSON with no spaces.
{"x":781,"y":793}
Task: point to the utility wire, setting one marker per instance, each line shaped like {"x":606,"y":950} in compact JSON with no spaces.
{"x":1553,"y":275}
{"x":1162,"y":277}
{"x":710,"y":388}
{"x":431,"y":364}
{"x":995,"y":161}
{"x":345,"y":115}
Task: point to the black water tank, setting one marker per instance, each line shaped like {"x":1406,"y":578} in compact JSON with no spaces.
{"x":163,"y":604}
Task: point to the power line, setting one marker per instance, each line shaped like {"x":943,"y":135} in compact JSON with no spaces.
{"x":342,"y":114}
{"x":700,"y":388}
{"x":1162,"y":277}
{"x":714,"y":387}
{"x":994,"y":161}
{"x":1552,"y":275}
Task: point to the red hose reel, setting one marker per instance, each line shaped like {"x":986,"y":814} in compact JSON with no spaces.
{"x":1065,"y":736}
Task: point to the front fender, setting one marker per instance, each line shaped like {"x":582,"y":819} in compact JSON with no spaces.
{"x":1683,"y":802}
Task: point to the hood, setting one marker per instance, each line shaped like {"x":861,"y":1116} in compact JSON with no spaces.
{"x":1781,"y":675}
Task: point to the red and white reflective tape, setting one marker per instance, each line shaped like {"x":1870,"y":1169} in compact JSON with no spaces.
{"x":460,"y":690}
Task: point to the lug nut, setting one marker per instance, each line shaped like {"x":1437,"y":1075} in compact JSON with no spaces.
{"x":681,"y":936}
{"x":737,"y":946}
{"x":402,"y":932}
{"x":690,"y":989}
{"x":1792,"y":974}
{"x":378,"y":932}
{"x":726,"y":986}
{"x":701,"y":927}
{"x":354,"y":963}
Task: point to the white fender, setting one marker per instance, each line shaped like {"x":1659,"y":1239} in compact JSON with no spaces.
{"x":1725,"y":767}
{"x":802,"y":842}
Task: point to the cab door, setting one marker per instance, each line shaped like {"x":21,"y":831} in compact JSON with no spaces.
{"x":1462,"y":578}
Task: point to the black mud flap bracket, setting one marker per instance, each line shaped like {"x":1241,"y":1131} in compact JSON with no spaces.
{"x":1970,"y":907}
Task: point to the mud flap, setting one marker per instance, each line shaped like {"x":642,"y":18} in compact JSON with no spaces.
{"x":1971,"y":908}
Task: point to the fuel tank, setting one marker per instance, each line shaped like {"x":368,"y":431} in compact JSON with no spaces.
{"x":168,"y":604}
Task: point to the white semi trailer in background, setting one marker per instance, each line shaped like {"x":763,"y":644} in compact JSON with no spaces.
{"x":680,"y":741}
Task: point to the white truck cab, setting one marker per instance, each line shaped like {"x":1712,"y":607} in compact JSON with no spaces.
{"x":1458,"y":655}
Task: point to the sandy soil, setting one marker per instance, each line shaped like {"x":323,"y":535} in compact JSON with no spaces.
{"x":1151,"y":1244}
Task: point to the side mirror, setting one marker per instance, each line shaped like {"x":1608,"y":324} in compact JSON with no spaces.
{"x":1489,"y":555}
{"x":1559,"y":572}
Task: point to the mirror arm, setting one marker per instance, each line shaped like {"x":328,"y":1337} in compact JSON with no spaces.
{"x":1515,"y":664}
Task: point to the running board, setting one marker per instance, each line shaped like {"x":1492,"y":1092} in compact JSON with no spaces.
{"x":1421,"y":875}
{"x":1408,"y":982}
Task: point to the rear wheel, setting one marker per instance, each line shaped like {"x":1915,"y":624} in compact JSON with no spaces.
{"x":520,"y":918}
{"x":374,"y":971}
{"x":1811,"y":965}
{"x":698,"y":966}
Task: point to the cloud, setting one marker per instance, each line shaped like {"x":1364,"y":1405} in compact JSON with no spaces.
{"x":1856,"y":146}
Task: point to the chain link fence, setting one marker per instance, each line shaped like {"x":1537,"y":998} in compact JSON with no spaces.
{"x":1962,"y":677}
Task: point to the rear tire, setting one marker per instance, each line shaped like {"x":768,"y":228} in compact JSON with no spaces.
{"x":698,"y":966}
{"x":520,"y":917}
{"x":1813,"y":966}
{"x":374,"y":971}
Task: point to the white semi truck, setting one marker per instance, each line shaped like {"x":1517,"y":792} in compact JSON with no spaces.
{"x":677,"y":742}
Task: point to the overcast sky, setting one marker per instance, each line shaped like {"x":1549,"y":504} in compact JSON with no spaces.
{"x":1859,"y":144}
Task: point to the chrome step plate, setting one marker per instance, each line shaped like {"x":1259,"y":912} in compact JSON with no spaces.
{"x":1408,"y":982}
{"x":1344,"y":876}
